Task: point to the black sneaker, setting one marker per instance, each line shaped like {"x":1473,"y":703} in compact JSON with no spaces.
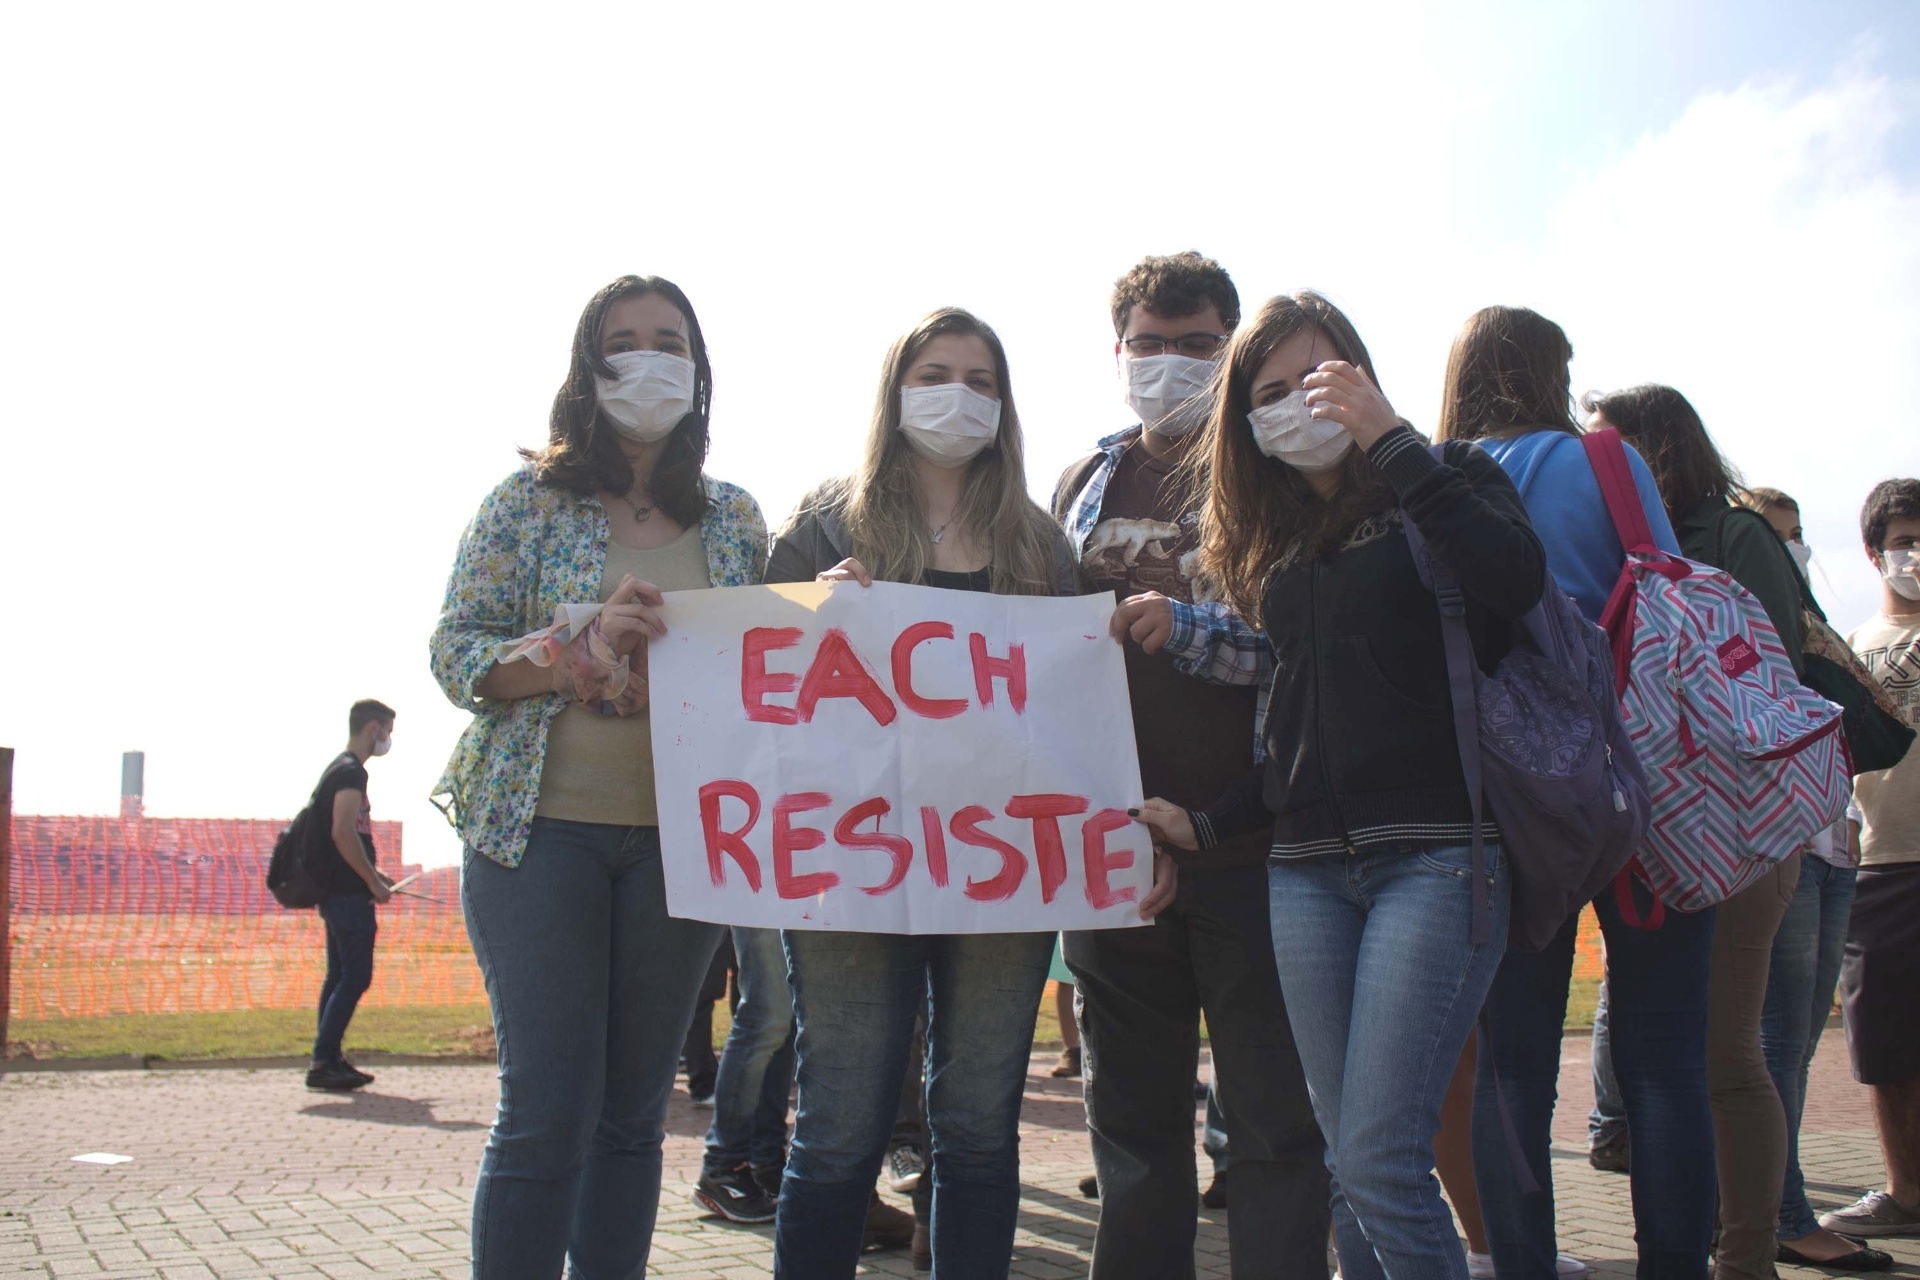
{"x":364,"y":1075}
{"x":1090,"y":1187}
{"x":337,"y":1077}
{"x":734,"y":1195}
{"x":1215,"y":1196}
{"x":904,"y":1169}
{"x":1615,"y":1155}
{"x":770,"y":1177}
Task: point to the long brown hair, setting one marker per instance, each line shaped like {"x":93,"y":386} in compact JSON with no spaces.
{"x":1507,"y":369}
{"x":884,"y":510}
{"x":1259,"y":513}
{"x":583,"y":447}
{"x":1660,"y":423}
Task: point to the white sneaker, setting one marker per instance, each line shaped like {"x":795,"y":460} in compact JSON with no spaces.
{"x":1480,"y":1267}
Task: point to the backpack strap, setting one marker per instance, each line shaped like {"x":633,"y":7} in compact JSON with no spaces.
{"x":1608,"y":457}
{"x":1463,"y":689}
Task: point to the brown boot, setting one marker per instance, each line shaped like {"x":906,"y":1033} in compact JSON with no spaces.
{"x":1068,"y":1068}
{"x":887,"y":1227}
{"x":922,"y":1246}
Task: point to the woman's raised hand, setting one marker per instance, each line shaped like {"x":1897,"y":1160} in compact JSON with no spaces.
{"x":1169,"y":823}
{"x":632,"y":615}
{"x":848,"y":570}
{"x":1339,"y":392}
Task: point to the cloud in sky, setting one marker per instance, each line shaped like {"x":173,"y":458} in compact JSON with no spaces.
{"x":289,"y":289}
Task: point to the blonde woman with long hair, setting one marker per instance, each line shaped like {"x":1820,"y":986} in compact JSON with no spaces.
{"x":940,"y":499}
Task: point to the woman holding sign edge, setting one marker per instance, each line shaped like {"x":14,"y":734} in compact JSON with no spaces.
{"x":551,"y":787}
{"x":1371,"y":869}
{"x":940,"y":499}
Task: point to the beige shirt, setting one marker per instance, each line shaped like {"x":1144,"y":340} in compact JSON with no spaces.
{"x":1890,"y":799}
{"x":600,"y":768}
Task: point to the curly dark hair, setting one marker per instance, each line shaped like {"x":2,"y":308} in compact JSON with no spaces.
{"x":583,"y":449}
{"x":1890,"y":500}
{"x":1176,"y":285}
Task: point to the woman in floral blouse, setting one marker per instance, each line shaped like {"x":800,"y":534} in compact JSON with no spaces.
{"x":551,"y":787}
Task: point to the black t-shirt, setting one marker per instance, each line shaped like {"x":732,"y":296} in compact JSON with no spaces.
{"x":978,"y":580}
{"x":1194,"y":738}
{"x":344,"y":774}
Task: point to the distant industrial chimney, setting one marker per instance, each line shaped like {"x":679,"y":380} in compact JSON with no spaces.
{"x":133,"y":785}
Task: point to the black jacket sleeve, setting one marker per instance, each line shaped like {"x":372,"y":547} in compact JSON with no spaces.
{"x":1241,"y":808}
{"x":1471,"y":517}
{"x":1752,"y":553}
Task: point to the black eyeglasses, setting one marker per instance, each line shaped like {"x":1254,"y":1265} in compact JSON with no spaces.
{"x":1200,"y":346}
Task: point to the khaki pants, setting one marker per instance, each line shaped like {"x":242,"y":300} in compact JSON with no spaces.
{"x":1749,"y":1125}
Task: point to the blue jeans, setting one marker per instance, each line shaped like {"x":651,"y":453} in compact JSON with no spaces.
{"x":1806,"y":967}
{"x":592,"y":986}
{"x":1609,"y":1115}
{"x":856,"y":996}
{"x":1382,"y":985}
{"x":756,"y":1068}
{"x":351,"y":930}
{"x":1657,"y":1003}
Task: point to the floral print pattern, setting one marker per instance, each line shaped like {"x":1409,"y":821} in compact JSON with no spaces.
{"x":530,"y":548}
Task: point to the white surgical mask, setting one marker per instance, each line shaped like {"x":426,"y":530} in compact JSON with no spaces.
{"x":1802,"y":553}
{"x":1285,"y":430}
{"x":1169,"y":392}
{"x":1901,"y":569}
{"x":649,"y":394}
{"x":949,"y":424}
{"x":383,"y":746}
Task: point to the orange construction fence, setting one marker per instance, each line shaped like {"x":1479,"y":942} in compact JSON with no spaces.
{"x":172,"y":915}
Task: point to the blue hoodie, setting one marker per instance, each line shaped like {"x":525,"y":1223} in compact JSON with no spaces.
{"x":1556,"y":482}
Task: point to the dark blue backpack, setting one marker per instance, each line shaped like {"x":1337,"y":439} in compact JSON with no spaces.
{"x":1542,"y":746}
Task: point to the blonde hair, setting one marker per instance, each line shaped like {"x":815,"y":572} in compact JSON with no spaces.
{"x":885,"y":514}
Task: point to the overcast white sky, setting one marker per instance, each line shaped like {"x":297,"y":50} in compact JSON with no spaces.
{"x":281,"y":287}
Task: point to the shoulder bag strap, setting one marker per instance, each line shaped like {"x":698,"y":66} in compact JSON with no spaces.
{"x":1462,"y":688}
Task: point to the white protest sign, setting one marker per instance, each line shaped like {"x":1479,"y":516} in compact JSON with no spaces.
{"x":895,"y":759}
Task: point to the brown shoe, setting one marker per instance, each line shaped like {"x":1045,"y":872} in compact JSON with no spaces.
{"x":1068,"y":1068}
{"x":887,"y":1227}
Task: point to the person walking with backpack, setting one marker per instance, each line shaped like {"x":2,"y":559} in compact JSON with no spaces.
{"x":1750,"y":1129}
{"x":1389,"y":909}
{"x":551,"y":786}
{"x":1508,"y":388}
{"x":343,"y":868}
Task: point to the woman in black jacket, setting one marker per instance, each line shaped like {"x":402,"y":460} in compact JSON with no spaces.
{"x":1372,"y":875}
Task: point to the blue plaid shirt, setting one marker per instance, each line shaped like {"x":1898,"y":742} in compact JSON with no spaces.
{"x":1209,"y":641}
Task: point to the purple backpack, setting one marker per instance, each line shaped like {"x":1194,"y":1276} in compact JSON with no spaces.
{"x":1542,"y":745}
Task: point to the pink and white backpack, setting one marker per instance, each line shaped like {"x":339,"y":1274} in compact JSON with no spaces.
{"x":1744,"y":763}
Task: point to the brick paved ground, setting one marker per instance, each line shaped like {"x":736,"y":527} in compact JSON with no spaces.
{"x":244,"y":1174}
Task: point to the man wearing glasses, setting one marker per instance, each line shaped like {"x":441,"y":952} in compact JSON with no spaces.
{"x":1141,"y":991}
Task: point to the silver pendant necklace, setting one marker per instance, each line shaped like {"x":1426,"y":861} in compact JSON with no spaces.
{"x":941,"y":532}
{"x":641,"y":513}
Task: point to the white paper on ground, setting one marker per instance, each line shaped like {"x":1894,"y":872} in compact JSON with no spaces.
{"x":102,"y":1157}
{"x":952,"y":758}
